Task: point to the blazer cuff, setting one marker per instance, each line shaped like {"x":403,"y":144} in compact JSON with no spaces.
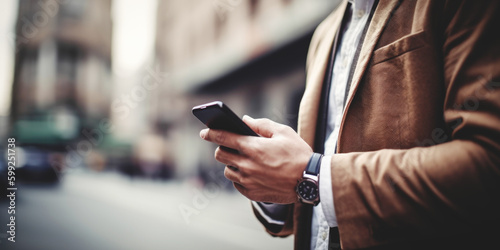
{"x":325,"y":191}
{"x":271,"y":213}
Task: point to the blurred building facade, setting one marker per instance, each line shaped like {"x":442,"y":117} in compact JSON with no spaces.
{"x":62,"y":77}
{"x":249,"y":54}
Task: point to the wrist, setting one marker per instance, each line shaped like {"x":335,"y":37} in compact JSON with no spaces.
{"x":307,"y":188}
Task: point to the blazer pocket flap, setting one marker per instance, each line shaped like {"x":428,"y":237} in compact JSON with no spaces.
{"x":403,"y":45}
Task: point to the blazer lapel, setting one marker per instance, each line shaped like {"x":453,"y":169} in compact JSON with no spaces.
{"x":309,"y":106}
{"x":383,"y":13}
{"x":379,"y":20}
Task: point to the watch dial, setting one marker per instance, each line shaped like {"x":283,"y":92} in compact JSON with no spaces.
{"x":308,"y":190}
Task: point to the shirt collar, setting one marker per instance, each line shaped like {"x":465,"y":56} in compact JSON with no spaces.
{"x":361,"y":7}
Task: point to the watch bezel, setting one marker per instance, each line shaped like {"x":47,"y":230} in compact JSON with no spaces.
{"x":312,"y":179}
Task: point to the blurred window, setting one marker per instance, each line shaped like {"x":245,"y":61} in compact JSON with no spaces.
{"x":67,"y":62}
{"x":28,"y":66}
{"x":72,"y":9}
{"x":68,"y":57}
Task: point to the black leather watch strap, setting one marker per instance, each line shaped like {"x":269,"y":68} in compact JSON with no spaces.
{"x":314,"y":164}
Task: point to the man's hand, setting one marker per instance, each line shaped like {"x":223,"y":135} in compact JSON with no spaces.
{"x":267,"y":167}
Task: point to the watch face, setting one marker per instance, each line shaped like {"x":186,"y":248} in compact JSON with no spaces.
{"x":308,"y":190}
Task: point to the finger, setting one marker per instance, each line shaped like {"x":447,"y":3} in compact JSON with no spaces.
{"x":263,"y":127}
{"x":222,"y":137}
{"x":234,"y":176}
{"x":227,"y":157}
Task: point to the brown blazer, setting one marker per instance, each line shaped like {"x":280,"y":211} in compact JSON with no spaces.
{"x":418,"y":161}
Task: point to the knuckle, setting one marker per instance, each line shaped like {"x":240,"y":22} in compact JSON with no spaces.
{"x":240,"y":146}
{"x":246,"y":148}
{"x":245,"y":165}
{"x":258,"y":150}
{"x":243,"y":181}
{"x":282,"y":129}
{"x":253,"y":148}
{"x":257,"y":153}
{"x":249,"y":171}
{"x":268,"y":122}
{"x":220,"y":137}
{"x":249,"y":168}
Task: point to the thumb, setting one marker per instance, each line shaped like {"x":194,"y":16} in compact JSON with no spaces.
{"x":263,"y":127}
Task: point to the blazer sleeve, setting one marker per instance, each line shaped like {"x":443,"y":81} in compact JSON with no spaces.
{"x":391,"y":194}
{"x":286,"y":211}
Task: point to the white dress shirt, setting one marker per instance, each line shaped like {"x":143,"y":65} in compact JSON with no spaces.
{"x":324,"y":215}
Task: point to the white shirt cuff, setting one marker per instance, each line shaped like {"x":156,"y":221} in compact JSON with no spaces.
{"x":325,"y":191}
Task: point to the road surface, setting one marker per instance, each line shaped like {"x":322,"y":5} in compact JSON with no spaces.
{"x":110,"y":211}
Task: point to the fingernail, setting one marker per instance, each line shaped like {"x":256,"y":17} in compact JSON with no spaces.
{"x":203,"y":133}
{"x":247,"y":117}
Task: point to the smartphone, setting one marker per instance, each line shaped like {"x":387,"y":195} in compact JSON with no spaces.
{"x":216,"y":115}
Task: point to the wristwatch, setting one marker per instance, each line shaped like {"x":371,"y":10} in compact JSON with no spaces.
{"x":308,"y":187}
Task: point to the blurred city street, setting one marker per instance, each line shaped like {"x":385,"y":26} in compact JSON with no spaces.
{"x":110,"y":211}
